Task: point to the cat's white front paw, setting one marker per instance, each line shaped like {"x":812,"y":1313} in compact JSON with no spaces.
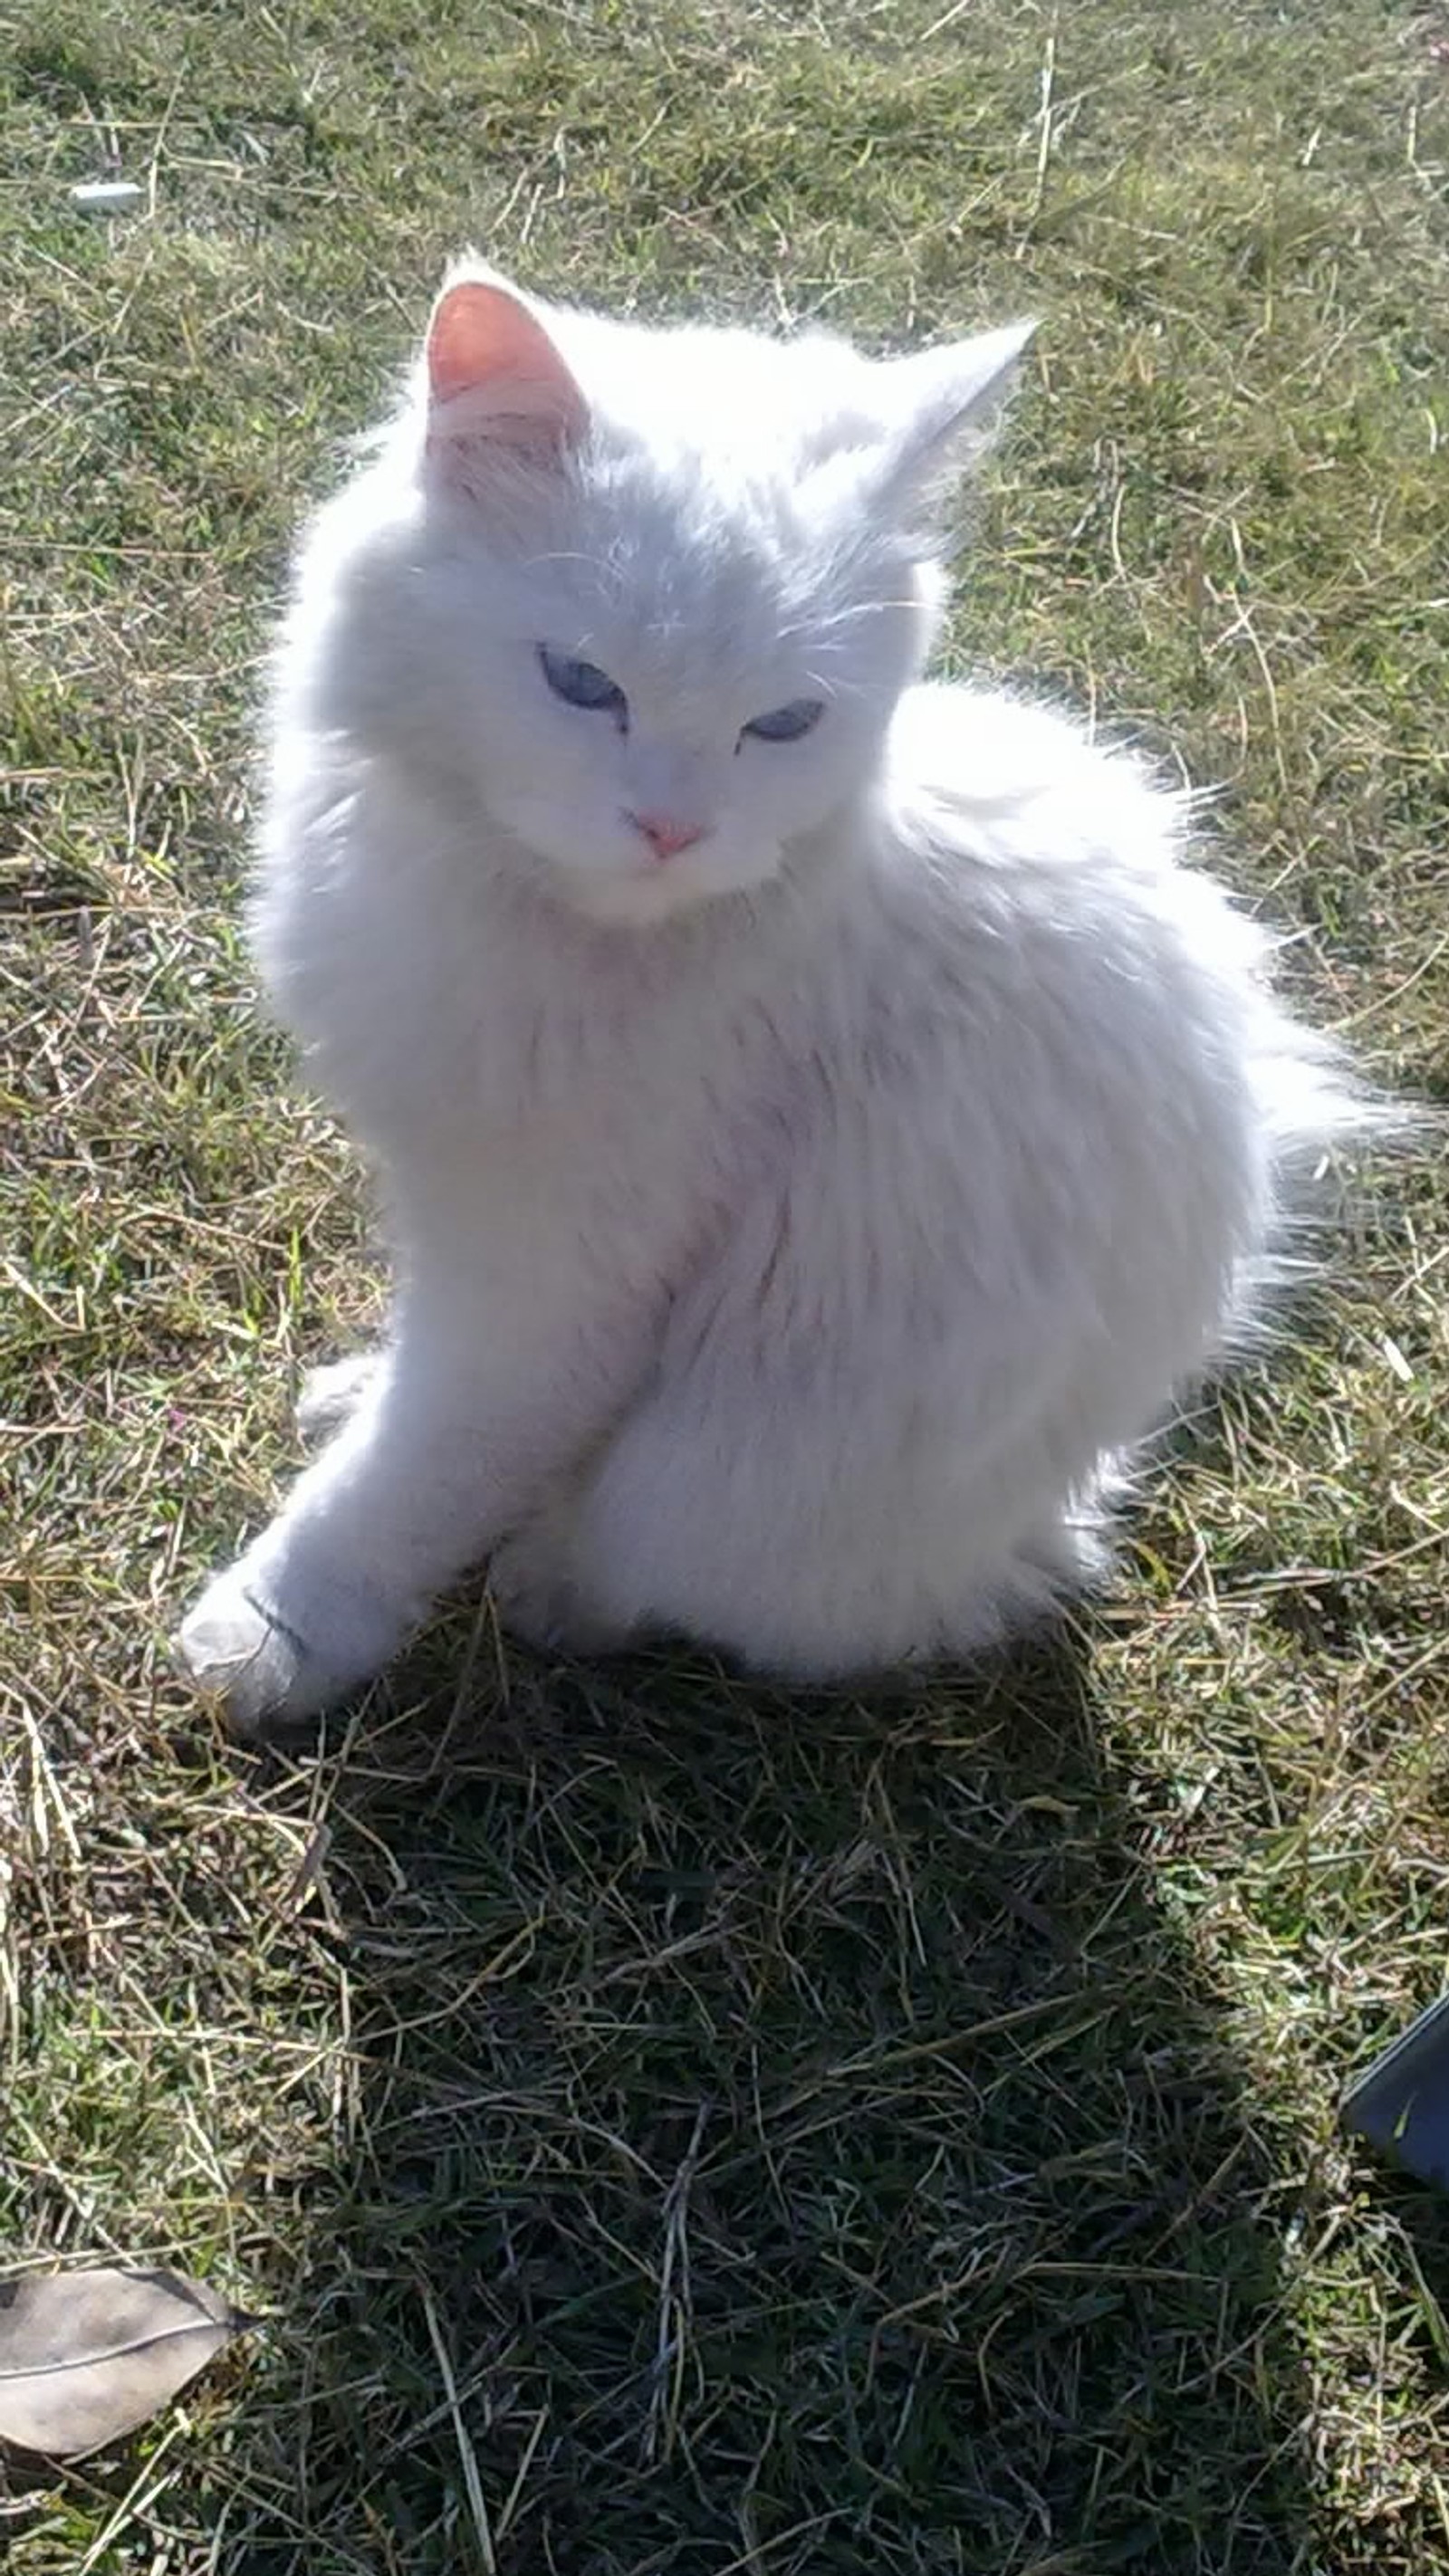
{"x":266,"y":1673}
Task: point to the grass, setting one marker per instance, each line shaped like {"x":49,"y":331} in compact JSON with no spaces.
{"x":675,"y":2132}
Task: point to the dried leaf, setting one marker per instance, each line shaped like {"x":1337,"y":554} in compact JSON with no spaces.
{"x":86,"y":2356}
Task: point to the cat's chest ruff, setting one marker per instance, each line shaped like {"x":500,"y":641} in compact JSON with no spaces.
{"x":562,"y":1052}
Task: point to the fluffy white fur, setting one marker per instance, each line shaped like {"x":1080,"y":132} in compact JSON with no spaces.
{"x":795,"y":1233}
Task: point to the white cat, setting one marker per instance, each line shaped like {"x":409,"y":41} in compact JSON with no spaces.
{"x":822,"y":1119}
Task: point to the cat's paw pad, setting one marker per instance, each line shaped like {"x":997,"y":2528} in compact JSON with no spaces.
{"x":238,"y":1651}
{"x":539,"y":1600}
{"x":331,"y":1394}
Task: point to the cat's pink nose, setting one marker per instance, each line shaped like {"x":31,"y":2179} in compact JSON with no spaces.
{"x":666,"y":834}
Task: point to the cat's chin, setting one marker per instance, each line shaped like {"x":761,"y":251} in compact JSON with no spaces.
{"x":641,"y":898}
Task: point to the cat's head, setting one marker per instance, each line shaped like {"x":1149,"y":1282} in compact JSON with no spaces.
{"x":663,"y":588}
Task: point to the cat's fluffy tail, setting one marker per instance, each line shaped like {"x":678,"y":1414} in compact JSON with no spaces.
{"x":1323,"y":1122}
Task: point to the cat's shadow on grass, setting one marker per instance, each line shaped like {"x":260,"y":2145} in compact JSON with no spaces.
{"x":791,"y":2135}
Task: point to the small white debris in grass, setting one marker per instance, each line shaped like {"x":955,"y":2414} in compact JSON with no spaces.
{"x":1396,"y":1360}
{"x":107,"y":196}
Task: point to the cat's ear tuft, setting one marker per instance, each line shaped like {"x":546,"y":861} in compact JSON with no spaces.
{"x":498,"y":389}
{"x":945,"y":406}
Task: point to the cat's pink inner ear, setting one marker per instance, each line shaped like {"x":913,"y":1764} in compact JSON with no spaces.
{"x":493,"y":372}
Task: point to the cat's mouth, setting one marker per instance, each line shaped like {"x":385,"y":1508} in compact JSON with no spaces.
{"x":648,"y":889}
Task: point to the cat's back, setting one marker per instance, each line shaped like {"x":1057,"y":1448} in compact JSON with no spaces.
{"x":1050,"y":879}
{"x":1034,"y":1022}
{"x":1025,"y":797}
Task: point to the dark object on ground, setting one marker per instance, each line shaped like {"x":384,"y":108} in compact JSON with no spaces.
{"x":1402,"y":2104}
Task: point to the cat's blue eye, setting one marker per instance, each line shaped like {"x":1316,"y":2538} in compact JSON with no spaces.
{"x":786,"y":724}
{"x":582,"y":684}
